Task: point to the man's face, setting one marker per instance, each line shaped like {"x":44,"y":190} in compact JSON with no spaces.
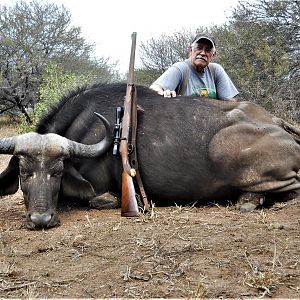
{"x":201,"y":54}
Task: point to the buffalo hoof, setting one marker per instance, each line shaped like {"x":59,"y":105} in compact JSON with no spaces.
{"x":248,"y":202}
{"x":105,"y":201}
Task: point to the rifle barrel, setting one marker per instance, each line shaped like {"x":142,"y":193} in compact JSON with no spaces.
{"x":132,"y":58}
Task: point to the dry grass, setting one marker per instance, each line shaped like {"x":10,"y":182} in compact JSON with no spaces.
{"x":175,"y":252}
{"x":171,"y":252}
{"x":8,"y":126}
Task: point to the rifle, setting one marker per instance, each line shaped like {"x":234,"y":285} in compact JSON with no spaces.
{"x":129,"y":207}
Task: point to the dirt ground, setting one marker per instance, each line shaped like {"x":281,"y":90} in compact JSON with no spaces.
{"x":176,"y":252}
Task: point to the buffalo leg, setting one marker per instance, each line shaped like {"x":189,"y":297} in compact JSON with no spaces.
{"x":105,"y":201}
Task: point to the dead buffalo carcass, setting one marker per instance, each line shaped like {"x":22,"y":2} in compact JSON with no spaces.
{"x":189,"y":149}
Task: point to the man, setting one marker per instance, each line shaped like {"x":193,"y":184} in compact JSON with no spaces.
{"x":197,"y":76}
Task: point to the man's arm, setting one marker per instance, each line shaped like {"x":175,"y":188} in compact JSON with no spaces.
{"x":166,"y":93}
{"x":226,"y":90}
{"x":233,"y":99}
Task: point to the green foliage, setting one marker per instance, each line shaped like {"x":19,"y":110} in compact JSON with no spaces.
{"x":146,"y":77}
{"x":34,"y":34}
{"x":260,"y":51}
{"x":258,"y":47}
{"x":56,"y":83}
{"x":160,"y":53}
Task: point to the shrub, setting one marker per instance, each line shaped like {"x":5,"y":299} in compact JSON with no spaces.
{"x":55,"y":83}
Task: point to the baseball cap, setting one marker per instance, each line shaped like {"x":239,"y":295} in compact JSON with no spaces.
{"x":198,"y":38}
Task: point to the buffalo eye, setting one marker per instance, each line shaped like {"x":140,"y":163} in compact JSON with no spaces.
{"x":25,"y":174}
{"x":56,"y":170}
{"x":56,"y":174}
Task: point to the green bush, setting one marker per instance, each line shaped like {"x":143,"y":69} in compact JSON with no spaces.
{"x":55,"y":83}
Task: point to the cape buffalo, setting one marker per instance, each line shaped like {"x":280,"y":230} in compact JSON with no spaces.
{"x":189,"y":149}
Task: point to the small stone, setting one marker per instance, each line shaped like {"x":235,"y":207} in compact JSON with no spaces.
{"x":247,"y":207}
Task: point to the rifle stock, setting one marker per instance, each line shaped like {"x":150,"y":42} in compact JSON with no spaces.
{"x":129,"y":207}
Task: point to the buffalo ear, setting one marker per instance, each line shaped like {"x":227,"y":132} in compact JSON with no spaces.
{"x":9,"y":178}
{"x":74,"y":185}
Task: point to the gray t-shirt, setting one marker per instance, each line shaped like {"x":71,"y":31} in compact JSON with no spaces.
{"x":213,"y":82}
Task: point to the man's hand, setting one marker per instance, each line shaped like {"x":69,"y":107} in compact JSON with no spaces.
{"x":160,"y":91}
{"x":168,"y":93}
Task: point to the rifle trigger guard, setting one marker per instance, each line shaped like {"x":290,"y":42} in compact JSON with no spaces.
{"x":130,"y":148}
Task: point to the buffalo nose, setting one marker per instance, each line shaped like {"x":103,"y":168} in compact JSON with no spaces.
{"x":40,"y":220}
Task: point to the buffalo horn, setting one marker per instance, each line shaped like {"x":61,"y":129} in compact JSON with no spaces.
{"x":7,"y":145}
{"x":88,"y":151}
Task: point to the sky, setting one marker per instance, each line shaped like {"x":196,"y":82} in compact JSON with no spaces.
{"x":109,"y":23}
